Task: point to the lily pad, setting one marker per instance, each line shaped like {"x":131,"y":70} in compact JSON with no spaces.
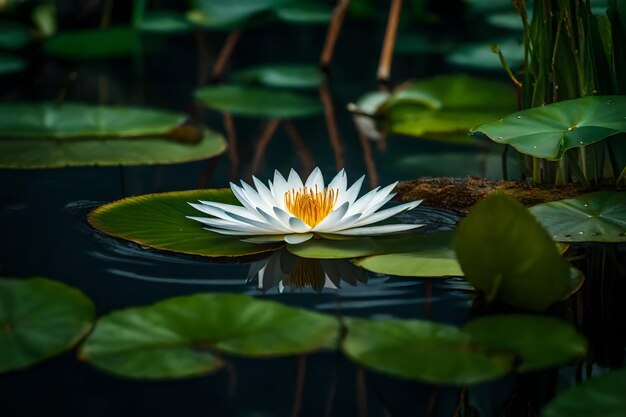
{"x":480,"y":56}
{"x":184,"y":336}
{"x":421,"y":350}
{"x":10,"y":64}
{"x":159,"y":221}
{"x":39,"y":318}
{"x":281,"y":75}
{"x":94,"y":43}
{"x":595,"y":217}
{"x":422,"y":256}
{"x":337,"y":248}
{"x":304,"y":12}
{"x":444,"y":107}
{"x":258,"y":102}
{"x":505,"y":253}
{"x":602,"y":396}
{"x":165,"y":22}
{"x":538,"y":341}
{"x":548,"y":131}
{"x":13,"y":35}
{"x":49,"y":120}
{"x":225,"y":14}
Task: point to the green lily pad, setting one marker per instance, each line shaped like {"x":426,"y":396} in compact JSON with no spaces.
{"x":13,"y":35}
{"x":10,"y":64}
{"x":538,"y":341}
{"x":421,"y":350}
{"x":505,"y":253}
{"x":39,"y":318}
{"x":304,"y":12}
{"x":258,"y":102}
{"x":281,"y":75}
{"x":159,"y":221}
{"x":444,"y":107}
{"x":49,"y":120}
{"x":601,"y":396}
{"x":184,"y":336}
{"x":165,"y":22}
{"x":337,"y":248}
{"x":595,"y":217}
{"x":548,"y":131}
{"x":225,"y":14}
{"x":480,"y":56}
{"x":94,"y":43}
{"x":422,"y":256}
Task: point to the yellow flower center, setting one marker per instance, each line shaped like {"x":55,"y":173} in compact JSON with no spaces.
{"x":311,"y":205}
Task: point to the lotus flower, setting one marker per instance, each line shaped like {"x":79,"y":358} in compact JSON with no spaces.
{"x":294,"y":211}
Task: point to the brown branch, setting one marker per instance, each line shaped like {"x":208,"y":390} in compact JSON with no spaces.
{"x":331,"y":125}
{"x":231,"y":137}
{"x":386,"y":54}
{"x":334,"y":29}
{"x":225,"y":53}
{"x":300,"y":146}
{"x":261,"y":146}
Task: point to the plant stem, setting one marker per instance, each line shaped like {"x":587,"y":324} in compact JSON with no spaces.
{"x":334,"y":29}
{"x":386,"y":54}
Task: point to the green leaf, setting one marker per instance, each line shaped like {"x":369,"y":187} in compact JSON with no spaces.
{"x":94,"y":43}
{"x":505,"y":253}
{"x":602,"y":396}
{"x":159,"y":221}
{"x":10,"y":64}
{"x":165,"y":22}
{"x":13,"y":35}
{"x":595,"y":217}
{"x":548,"y":131}
{"x":420,"y":256}
{"x":183,"y":336}
{"x":304,"y":12}
{"x":479,"y":56}
{"x":225,"y":14}
{"x":258,"y":102}
{"x":337,"y":248}
{"x":538,"y":341}
{"x":281,"y":75}
{"x":421,"y":350}
{"x":39,"y":319}
{"x":49,"y":120}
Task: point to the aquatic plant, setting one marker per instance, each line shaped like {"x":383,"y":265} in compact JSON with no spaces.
{"x":294,"y":211}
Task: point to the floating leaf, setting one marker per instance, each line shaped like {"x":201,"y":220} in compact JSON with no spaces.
{"x":258,"y":102}
{"x":10,"y":64}
{"x":548,"y":131}
{"x":480,"y":56}
{"x":595,"y":217}
{"x":281,"y":75}
{"x":421,"y":256}
{"x":183,"y":336}
{"x":159,"y":221}
{"x":49,"y":120}
{"x":337,"y":248}
{"x":304,"y":12}
{"x":225,"y":14}
{"x":94,"y":43}
{"x":165,"y":22}
{"x":602,"y":396}
{"x":421,"y":350}
{"x":538,"y":341}
{"x":506,"y":254}
{"x":39,"y":318}
{"x":13,"y":35}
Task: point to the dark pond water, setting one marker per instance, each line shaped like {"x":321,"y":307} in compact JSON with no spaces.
{"x":45,"y":233}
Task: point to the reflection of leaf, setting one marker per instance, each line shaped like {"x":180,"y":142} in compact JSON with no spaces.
{"x":549,"y":131}
{"x":602,"y":396}
{"x":281,"y":75}
{"x":165,"y":22}
{"x":595,"y":217}
{"x":540,"y":342}
{"x":182,"y":336}
{"x":159,"y":221}
{"x":421,"y":350}
{"x":480,"y":56}
{"x":39,"y":318}
{"x":258,"y":102}
{"x":506,"y":254}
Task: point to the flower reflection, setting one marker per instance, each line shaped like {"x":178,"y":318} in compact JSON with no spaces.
{"x":286,"y":270}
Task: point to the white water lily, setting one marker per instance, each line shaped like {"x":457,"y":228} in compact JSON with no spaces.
{"x":295,"y":211}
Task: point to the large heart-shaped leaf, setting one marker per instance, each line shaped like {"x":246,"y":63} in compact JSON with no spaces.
{"x":258,"y":102}
{"x":159,"y":221}
{"x":602,"y":396}
{"x":595,"y":217}
{"x":505,"y":253}
{"x":39,"y":318}
{"x":421,"y":350}
{"x":538,"y":341}
{"x":183,"y":336}
{"x":281,"y":75}
{"x":548,"y":131}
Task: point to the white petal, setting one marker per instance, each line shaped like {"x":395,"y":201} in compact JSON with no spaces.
{"x":332,"y":218}
{"x":264,"y":192}
{"x":253,"y":197}
{"x":298,"y":225}
{"x":279,"y":187}
{"x":235,"y":232}
{"x":363,"y":201}
{"x":385,"y":214}
{"x":294,"y":180}
{"x":340,"y":182}
{"x":344,"y":223}
{"x":260,"y":224}
{"x":373,"y":198}
{"x":230,"y":225}
{"x":275,"y":222}
{"x":298,"y":238}
{"x":219,"y":209}
{"x":378,"y":230}
{"x":282,"y":215}
{"x":241,"y":196}
{"x":315,"y":179}
{"x":351,"y":193}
